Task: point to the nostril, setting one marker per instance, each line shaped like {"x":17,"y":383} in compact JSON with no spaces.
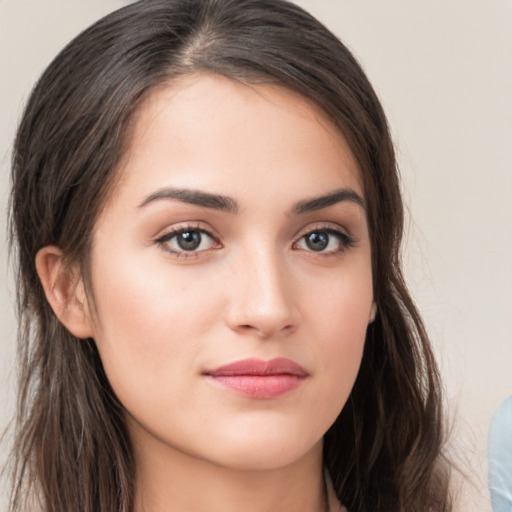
{"x":265,"y":332}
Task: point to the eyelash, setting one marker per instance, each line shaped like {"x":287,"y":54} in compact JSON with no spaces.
{"x":164,"y":240}
{"x":345,"y":241}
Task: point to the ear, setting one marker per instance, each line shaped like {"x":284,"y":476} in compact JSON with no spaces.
{"x":373,"y":313}
{"x":64,"y":290}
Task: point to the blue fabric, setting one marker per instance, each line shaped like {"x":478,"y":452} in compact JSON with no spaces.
{"x":499,"y":453}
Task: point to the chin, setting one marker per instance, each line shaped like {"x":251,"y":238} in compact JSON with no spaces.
{"x":264,"y":449}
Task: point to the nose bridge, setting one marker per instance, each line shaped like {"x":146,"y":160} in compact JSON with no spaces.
{"x":262,"y":299}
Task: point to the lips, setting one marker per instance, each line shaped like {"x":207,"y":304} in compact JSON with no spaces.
{"x":260,"y":379}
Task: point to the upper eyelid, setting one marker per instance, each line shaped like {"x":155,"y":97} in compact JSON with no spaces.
{"x":325,"y":226}
{"x":186,"y":226}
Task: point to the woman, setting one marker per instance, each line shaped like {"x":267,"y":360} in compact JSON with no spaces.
{"x":207,"y":216}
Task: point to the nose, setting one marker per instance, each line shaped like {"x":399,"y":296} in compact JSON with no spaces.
{"x":261,"y":300}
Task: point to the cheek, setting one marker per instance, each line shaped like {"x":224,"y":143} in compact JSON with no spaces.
{"x":150,"y":297}
{"x":340,"y":318}
{"x":150,"y":324}
{"x":341,"y":304}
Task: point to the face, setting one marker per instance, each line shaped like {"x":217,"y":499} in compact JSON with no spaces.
{"x":231,"y":274}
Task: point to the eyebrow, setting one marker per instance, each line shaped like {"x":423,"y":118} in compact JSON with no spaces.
{"x":196,"y":197}
{"x":229,"y":205}
{"x":334,"y":197}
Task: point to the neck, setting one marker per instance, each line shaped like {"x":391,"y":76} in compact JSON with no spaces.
{"x":172,"y":481}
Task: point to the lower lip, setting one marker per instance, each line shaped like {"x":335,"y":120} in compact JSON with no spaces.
{"x":259,"y":386}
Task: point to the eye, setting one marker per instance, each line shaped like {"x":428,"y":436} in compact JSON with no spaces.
{"x":324,"y":240}
{"x":187,"y":240}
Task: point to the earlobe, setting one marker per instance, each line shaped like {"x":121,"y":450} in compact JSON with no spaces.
{"x":64,"y":290}
{"x":373,"y":313}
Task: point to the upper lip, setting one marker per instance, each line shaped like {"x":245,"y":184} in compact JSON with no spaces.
{"x":259,"y":367}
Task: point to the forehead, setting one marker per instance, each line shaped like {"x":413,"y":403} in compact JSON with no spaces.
{"x":207,"y":131}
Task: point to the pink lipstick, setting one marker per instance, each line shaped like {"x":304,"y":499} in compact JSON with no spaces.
{"x":260,"y":379}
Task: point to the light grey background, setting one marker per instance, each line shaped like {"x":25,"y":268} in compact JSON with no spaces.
{"x":443,"y":70}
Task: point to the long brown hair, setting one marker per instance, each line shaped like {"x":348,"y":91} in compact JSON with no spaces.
{"x":72,"y":451}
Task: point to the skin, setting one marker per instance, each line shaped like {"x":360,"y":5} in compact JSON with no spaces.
{"x":161,"y":316}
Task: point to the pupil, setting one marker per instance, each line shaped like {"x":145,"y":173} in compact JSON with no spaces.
{"x":189,"y":240}
{"x":317,"y":241}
